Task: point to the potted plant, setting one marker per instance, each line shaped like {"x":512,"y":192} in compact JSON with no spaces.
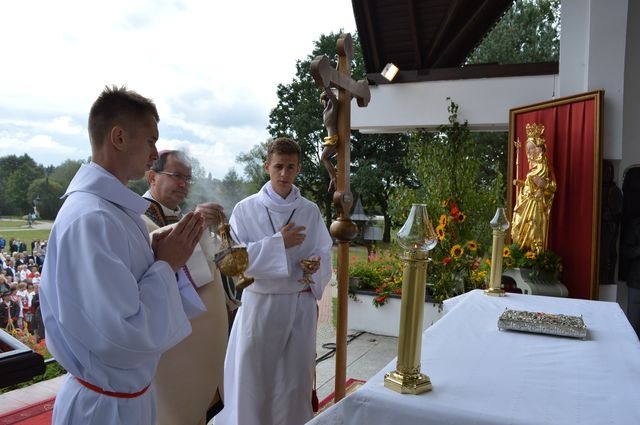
{"x":454,"y":266}
{"x":547,"y":264}
{"x":375,"y":289}
{"x":379,"y":275}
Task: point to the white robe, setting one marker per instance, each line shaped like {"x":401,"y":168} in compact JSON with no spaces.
{"x":110,"y":310}
{"x":270,"y":363}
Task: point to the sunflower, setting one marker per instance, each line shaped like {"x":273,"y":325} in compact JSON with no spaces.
{"x":530,"y":255}
{"x":443,"y":220}
{"x":461,"y":217}
{"x":441,"y":233}
{"x":456,"y":251}
{"x":506,"y":252}
{"x":472,"y":245}
{"x":508,"y":262}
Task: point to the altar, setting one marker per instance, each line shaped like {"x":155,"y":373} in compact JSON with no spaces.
{"x":485,"y":376}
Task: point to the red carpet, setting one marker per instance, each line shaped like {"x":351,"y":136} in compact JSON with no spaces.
{"x":40,"y":413}
{"x":36,"y":414}
{"x":350,"y":386}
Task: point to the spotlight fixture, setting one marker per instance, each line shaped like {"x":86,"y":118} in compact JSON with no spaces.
{"x":389,"y":72}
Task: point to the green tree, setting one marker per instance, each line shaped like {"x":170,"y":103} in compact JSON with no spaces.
{"x":376,"y":160}
{"x":253,"y":166}
{"x":48,"y":193}
{"x":475,"y":163}
{"x":529,"y":32}
{"x":16,"y":174}
{"x":139,"y":186}
{"x":450,"y":166}
{"x":233,"y":189}
{"x":64,"y":172}
{"x":379,"y":168}
{"x":298,"y":115}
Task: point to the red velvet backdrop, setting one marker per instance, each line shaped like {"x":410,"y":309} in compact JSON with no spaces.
{"x":572,"y":133}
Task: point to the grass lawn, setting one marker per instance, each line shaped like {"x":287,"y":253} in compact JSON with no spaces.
{"x":20,"y":231}
{"x":358,"y":252}
{"x":12,"y":223}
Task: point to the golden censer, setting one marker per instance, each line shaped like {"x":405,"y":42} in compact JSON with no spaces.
{"x":232,"y":259}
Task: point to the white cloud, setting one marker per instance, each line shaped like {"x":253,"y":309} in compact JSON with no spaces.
{"x":211,"y":67}
{"x":218,"y":154}
{"x":39,"y":146}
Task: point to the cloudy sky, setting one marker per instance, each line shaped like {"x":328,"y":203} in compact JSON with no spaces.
{"x":212,"y":67}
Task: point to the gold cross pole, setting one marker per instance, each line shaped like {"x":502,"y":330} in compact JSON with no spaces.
{"x":343,"y":229}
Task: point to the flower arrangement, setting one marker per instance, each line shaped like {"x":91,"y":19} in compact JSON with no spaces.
{"x":380,"y":273}
{"x":455,"y":262}
{"x":546,"y":264}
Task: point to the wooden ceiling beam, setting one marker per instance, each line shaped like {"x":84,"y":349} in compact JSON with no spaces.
{"x":371,"y":35}
{"x":457,"y":49}
{"x":441,"y":33}
{"x":412,"y":17}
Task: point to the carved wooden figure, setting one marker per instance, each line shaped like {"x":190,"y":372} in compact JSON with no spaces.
{"x":343,"y":229}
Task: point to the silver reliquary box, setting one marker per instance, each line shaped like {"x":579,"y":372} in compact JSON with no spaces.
{"x":543,"y":323}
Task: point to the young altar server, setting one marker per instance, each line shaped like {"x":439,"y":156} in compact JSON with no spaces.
{"x":270,"y":363}
{"x":109,"y":320}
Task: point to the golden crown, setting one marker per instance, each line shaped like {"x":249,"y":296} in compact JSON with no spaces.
{"x":534,"y":133}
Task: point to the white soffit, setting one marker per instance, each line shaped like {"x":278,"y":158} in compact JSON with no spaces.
{"x":484,"y":103}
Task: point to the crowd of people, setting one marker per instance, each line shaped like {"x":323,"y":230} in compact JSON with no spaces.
{"x":19,"y":284}
{"x":149,"y":330}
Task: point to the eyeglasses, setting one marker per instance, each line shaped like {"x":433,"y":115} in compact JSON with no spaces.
{"x":177,"y":176}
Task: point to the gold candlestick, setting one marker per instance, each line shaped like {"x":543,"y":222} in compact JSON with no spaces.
{"x":417,"y":237}
{"x":499,"y":224}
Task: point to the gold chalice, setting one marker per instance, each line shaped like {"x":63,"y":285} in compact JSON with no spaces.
{"x":232,"y":259}
{"x":308,"y":263}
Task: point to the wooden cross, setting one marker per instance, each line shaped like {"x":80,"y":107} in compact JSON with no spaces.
{"x":343,"y":229}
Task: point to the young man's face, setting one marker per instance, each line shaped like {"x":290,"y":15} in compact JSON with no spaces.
{"x":141,"y":148}
{"x":283,"y":170}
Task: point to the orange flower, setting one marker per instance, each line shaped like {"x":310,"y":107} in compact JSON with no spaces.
{"x":454,"y":210}
{"x":381,"y":299}
{"x":446,"y":260}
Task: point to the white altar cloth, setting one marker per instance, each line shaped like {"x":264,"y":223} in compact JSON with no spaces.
{"x":481,"y":375}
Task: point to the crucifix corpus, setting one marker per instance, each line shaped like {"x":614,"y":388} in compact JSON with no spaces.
{"x":337,"y":143}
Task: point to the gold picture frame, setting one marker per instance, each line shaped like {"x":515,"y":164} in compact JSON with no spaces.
{"x":574,"y":151}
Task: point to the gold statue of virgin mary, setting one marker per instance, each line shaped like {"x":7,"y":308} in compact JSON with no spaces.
{"x":530,"y":224}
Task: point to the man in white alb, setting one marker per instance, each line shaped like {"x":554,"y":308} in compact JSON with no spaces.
{"x":270,"y":363}
{"x":109,"y":321}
